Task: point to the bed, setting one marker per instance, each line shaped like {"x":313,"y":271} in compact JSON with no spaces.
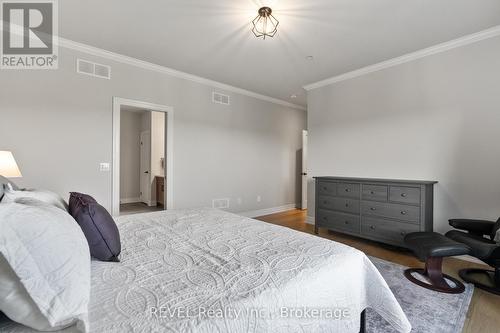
{"x":206,"y":270}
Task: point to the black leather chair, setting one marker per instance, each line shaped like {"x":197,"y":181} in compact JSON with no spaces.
{"x":483,"y":248}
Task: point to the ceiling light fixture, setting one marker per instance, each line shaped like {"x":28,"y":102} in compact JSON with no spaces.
{"x":265,"y":24}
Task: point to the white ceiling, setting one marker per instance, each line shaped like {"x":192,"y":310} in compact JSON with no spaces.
{"x":212,"y":39}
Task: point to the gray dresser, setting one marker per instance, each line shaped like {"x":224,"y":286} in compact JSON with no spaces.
{"x":383,"y":210}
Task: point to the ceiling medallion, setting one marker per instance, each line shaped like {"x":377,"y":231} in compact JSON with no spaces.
{"x":265,"y":24}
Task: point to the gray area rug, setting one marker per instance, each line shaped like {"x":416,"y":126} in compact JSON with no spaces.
{"x":428,"y":311}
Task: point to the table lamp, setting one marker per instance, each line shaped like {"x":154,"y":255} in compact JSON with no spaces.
{"x":8,"y":166}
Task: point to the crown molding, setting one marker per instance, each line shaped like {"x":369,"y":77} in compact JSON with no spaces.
{"x":80,"y":47}
{"x":462,"y":41}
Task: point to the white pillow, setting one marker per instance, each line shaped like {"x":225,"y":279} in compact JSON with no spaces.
{"x":5,"y":184}
{"x":45,"y":196}
{"x":45,"y":267}
{"x":13,"y":292}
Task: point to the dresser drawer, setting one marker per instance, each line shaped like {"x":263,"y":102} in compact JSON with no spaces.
{"x":326,"y":202}
{"x":341,"y":204}
{"x":338,"y":221}
{"x":401,"y":212}
{"x":374,"y":192}
{"x":348,"y":190}
{"x":327,"y":188}
{"x":409,"y":195}
{"x":386,"y":229}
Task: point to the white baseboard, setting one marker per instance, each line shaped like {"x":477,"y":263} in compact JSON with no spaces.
{"x":310,"y":220}
{"x":129,"y":200}
{"x":267,"y":211}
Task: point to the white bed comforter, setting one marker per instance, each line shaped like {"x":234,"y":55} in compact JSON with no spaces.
{"x":210,"y":271}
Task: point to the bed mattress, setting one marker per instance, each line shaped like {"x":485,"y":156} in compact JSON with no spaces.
{"x":206,"y":270}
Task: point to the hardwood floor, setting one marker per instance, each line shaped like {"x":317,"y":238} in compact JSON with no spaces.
{"x":484,"y":310}
{"x":138,"y":207}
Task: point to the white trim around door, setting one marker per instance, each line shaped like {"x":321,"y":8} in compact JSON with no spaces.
{"x":169,"y":145}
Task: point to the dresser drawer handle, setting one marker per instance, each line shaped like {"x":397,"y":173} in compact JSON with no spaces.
{"x":372,"y":192}
{"x":347,"y":205}
{"x":347,"y":190}
{"x":372,"y":227}
{"x":346,"y":222}
{"x":403,"y":195}
{"x":403,"y":212}
{"x":373,"y":208}
{"x":325,"y":188}
{"x":325,"y":202}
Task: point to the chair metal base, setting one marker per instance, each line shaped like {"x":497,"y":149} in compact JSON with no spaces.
{"x":433,"y":272}
{"x":458,"y":289}
{"x":494,"y":276}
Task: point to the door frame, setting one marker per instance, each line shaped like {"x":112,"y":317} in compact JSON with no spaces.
{"x":118,"y":102}
{"x":304,"y":170}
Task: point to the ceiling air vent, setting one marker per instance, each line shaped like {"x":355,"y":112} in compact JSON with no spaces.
{"x":93,"y":69}
{"x":220,"y":98}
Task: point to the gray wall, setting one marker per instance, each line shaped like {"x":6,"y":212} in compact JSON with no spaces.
{"x":436,"y":118}
{"x":130,"y":155}
{"x":59,"y":125}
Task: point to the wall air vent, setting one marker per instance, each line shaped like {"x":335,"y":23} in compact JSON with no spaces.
{"x":220,"y":203}
{"x":220,"y":98}
{"x":93,"y":69}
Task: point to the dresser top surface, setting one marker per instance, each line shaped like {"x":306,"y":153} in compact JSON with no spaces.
{"x":376,"y":180}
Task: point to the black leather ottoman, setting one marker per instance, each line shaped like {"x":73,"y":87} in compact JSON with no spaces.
{"x":431,"y":248}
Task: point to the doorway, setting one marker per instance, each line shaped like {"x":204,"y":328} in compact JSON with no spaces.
{"x":142,"y":157}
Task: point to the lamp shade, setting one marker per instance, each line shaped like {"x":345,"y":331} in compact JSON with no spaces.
{"x":8,"y":165}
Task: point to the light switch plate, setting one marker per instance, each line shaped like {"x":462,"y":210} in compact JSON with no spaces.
{"x":104,"y":167}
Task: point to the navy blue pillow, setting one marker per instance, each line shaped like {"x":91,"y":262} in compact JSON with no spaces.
{"x":77,"y":201}
{"x":98,"y":226}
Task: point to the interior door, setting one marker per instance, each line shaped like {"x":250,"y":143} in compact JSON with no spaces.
{"x":145,"y":174}
{"x":165,"y":163}
{"x":304,"y":170}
